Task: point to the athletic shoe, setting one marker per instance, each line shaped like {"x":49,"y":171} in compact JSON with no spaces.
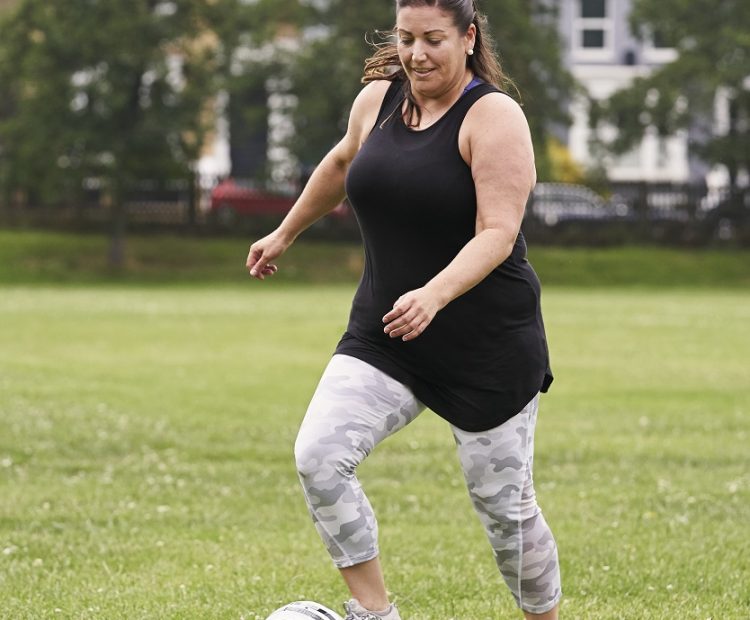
{"x":355,"y":611}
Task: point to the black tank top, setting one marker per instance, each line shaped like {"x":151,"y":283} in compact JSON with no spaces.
{"x":484,"y":356}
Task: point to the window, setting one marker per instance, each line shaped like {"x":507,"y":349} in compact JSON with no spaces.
{"x":659,"y":41}
{"x":593,"y":38}
{"x":593,"y":30}
{"x":657,"y":49}
{"x":593,"y":8}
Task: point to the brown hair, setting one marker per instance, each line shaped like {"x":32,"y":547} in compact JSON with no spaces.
{"x":385,"y":63}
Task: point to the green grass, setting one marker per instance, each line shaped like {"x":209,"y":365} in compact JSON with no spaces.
{"x":57,"y":258}
{"x":146,"y":465}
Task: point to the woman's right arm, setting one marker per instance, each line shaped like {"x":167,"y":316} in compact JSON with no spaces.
{"x":325,"y":189}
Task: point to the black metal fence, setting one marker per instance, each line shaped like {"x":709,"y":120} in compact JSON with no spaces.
{"x":556,"y":214}
{"x":661,"y":213}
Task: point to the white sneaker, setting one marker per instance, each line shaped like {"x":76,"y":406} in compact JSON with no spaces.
{"x":355,"y":611}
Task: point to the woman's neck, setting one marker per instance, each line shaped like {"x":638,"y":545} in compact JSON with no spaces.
{"x":448,"y":97}
{"x":433,"y":108}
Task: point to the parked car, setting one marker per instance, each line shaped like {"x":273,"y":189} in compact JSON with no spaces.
{"x":557,"y":203}
{"x":728,"y":221}
{"x":233,"y":199}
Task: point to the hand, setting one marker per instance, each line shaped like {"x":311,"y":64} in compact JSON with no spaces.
{"x":262,"y":252}
{"x":411,"y":314}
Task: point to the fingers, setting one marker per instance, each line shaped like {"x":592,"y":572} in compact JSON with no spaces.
{"x":412,"y":313}
{"x":405,"y":323}
{"x":399,"y":308}
{"x":409,"y":331}
{"x":252,"y":259}
{"x":258,"y":265}
{"x":261,"y":274}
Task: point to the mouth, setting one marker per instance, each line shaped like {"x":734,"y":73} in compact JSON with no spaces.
{"x":422,"y":72}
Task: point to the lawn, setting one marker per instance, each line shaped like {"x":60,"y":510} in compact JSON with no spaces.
{"x":44,"y":257}
{"x":146,"y":465}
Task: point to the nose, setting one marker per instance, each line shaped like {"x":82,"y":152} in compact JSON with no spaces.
{"x":418,"y":52}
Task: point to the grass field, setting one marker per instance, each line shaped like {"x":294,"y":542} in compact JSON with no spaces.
{"x":146,"y":465}
{"x":58,"y":258}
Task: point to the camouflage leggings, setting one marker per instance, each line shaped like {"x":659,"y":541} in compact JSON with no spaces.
{"x":354,"y":408}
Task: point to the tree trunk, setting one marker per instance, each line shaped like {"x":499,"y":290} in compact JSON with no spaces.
{"x":116,"y":255}
{"x":192,"y":198}
{"x":6,"y":207}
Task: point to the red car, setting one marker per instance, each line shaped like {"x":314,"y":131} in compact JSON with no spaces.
{"x":231,"y":199}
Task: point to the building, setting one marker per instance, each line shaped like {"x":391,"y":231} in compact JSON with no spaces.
{"x":604,"y":56}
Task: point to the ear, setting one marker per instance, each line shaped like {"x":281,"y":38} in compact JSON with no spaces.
{"x":471,"y":36}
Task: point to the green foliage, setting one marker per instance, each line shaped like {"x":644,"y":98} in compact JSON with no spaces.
{"x":326,"y":75}
{"x":713,"y":46}
{"x":562,"y":167}
{"x":109,"y":90}
{"x":147,"y":469}
{"x":121,"y":92}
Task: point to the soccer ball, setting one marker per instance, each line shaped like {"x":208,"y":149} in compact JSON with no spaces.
{"x":304,"y":610}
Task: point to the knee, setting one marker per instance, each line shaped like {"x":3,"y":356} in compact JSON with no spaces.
{"x":502,"y":488}
{"x":316,"y":458}
{"x":308,"y":456}
{"x":496,"y":515}
{"x":506,"y":504}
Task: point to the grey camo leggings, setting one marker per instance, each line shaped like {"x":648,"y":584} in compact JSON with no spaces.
{"x":354,"y":408}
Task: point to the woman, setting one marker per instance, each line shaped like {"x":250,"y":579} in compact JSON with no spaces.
{"x":437,"y":164}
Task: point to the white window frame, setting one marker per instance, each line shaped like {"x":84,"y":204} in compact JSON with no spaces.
{"x":605,"y":24}
{"x":657,"y":55}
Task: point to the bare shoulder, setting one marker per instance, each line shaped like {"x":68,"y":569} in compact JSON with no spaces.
{"x":366,"y":107}
{"x":362,"y":118}
{"x":494,"y":124}
{"x":496,"y":113}
{"x":372,"y":93}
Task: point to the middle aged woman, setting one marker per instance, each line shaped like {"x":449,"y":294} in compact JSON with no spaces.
{"x":438,"y":164}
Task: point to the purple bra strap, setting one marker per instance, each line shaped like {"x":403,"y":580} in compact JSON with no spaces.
{"x":475,"y":81}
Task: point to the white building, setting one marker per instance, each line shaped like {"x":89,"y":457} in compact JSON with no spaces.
{"x":604,"y":56}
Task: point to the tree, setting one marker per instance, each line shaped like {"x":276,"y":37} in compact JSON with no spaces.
{"x":108,"y":90}
{"x":326,"y":75}
{"x":713,"y":55}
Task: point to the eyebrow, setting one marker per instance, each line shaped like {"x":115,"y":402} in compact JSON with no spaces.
{"x":426,"y":32}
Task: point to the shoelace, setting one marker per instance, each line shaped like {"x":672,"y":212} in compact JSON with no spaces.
{"x":350,"y":615}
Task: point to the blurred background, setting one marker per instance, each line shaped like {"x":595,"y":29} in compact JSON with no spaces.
{"x":207,"y":116}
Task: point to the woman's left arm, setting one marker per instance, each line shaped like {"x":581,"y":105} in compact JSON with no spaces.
{"x":496,"y":142}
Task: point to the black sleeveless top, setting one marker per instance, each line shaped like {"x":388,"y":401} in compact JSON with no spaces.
{"x":484,"y":356}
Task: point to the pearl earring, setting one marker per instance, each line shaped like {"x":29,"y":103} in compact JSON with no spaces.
{"x":470,"y":52}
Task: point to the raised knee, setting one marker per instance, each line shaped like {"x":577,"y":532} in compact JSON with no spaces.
{"x":315,"y":458}
{"x":309,"y":456}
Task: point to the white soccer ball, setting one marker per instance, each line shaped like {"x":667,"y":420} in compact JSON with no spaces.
{"x":304,"y":610}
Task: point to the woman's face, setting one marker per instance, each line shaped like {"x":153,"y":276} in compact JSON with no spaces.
{"x":432,"y":50}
